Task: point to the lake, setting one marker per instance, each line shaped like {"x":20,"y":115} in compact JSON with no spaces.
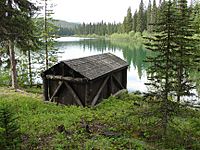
{"x":74,"y":47}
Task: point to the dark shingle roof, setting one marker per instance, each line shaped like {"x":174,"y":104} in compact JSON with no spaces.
{"x":95,"y":66}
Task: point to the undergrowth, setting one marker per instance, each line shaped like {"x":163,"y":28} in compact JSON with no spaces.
{"x":124,"y":122}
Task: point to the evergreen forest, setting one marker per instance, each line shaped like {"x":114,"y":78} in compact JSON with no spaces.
{"x":168,"y":33}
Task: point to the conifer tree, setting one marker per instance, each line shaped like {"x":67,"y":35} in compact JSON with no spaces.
{"x":135,"y":21}
{"x":196,"y":17}
{"x":140,"y":18}
{"x":154,"y":16}
{"x":9,"y":129}
{"x":149,"y":17}
{"x":186,"y":51}
{"x":49,"y":31}
{"x":128,"y":21}
{"x":161,"y":72}
{"x":16,"y":28}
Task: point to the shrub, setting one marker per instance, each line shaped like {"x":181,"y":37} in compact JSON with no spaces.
{"x":9,"y":129}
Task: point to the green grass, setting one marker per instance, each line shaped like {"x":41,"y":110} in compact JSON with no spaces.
{"x":90,"y":36}
{"x":130,"y":37}
{"x":117,"y":123}
{"x":128,"y":41}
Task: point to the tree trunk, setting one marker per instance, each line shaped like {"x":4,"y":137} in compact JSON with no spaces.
{"x":13,"y":65}
{"x":30,"y":69}
{"x":46,"y":33}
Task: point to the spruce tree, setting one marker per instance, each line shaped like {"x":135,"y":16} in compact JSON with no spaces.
{"x":140,"y":18}
{"x":196,"y":17}
{"x":149,"y":27}
{"x":154,"y":17}
{"x":186,"y":51}
{"x":161,"y":72}
{"x":15,"y":28}
{"x":135,"y":21}
{"x":9,"y":129}
{"x":128,"y":21}
{"x":49,"y":30}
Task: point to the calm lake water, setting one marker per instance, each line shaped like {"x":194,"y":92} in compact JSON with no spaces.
{"x":73,"y":47}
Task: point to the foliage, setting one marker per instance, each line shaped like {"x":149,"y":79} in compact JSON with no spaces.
{"x":130,"y":37}
{"x":124,"y":122}
{"x":101,"y":28}
{"x":186,"y":52}
{"x":141,"y":18}
{"x":128,"y":21}
{"x":9,"y":129}
{"x":16,"y":29}
{"x":175,"y":56}
{"x":149,"y":16}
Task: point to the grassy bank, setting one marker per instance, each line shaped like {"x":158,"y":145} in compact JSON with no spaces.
{"x":117,"y":123}
{"x":130,"y":37}
{"x":128,"y":41}
{"x":90,"y":36}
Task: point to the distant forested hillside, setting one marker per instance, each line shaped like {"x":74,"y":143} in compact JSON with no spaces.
{"x":65,"y":24}
{"x":65,"y":28}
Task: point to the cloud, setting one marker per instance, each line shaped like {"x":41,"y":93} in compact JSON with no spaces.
{"x":92,"y":10}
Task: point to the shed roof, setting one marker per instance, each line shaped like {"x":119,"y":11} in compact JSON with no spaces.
{"x":95,"y":66}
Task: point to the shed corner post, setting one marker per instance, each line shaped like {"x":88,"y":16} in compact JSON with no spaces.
{"x":87,"y":88}
{"x":111,"y":84}
{"x":45,"y":86}
{"x":125,"y":77}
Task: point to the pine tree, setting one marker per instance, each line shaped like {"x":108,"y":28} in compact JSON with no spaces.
{"x":32,"y":44}
{"x":15,"y":28}
{"x":140,"y":18}
{"x":196,"y":17}
{"x":154,"y":17}
{"x":9,"y":129}
{"x":145,"y":20}
{"x":135,"y":21}
{"x":149,"y":27}
{"x":128,"y":21}
{"x":161,"y":73}
{"x":186,"y":51}
{"x":48,"y":32}
{"x":49,"y":28}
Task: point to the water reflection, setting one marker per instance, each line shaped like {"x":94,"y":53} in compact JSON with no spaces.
{"x":134,"y":54}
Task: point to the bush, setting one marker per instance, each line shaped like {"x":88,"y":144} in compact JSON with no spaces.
{"x":9,"y":129}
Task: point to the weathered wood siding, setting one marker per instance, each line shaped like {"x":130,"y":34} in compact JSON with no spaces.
{"x":85,"y":81}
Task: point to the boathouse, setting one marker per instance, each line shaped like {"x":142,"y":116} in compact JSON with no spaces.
{"x":85,"y":81}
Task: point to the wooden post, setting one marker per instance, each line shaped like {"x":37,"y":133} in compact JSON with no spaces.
{"x":124,"y":77}
{"x":45,"y":87}
{"x":111,"y":84}
{"x":86,"y":94}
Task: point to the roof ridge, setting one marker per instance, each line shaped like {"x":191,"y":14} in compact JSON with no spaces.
{"x":96,"y":66}
{"x":86,"y":57}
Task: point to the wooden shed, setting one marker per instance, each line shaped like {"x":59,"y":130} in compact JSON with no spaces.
{"x":85,"y":81}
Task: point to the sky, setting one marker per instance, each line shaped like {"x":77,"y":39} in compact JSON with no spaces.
{"x":87,"y":11}
{"x":80,"y":11}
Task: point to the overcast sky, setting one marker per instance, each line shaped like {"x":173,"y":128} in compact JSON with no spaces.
{"x":93,"y":10}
